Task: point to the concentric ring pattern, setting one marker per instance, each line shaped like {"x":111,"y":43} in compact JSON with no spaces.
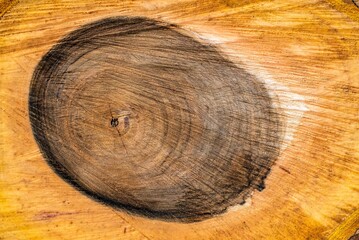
{"x":141,"y":116}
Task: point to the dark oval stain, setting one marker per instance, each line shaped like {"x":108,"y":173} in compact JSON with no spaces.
{"x":205,"y":133}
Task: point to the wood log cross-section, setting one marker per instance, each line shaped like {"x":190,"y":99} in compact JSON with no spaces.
{"x":201,"y":134}
{"x":185,"y":119}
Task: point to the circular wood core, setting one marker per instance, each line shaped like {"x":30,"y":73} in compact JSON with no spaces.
{"x":139,"y":115}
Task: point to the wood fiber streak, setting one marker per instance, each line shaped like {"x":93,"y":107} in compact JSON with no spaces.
{"x":139,"y":115}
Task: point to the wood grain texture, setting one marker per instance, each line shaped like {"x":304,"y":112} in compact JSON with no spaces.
{"x":145,"y":118}
{"x":306,"y":53}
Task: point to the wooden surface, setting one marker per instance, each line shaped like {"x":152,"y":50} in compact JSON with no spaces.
{"x":146,"y":118}
{"x":305,"y":52}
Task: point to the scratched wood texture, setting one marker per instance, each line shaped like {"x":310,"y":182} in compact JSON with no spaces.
{"x":307,"y":53}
